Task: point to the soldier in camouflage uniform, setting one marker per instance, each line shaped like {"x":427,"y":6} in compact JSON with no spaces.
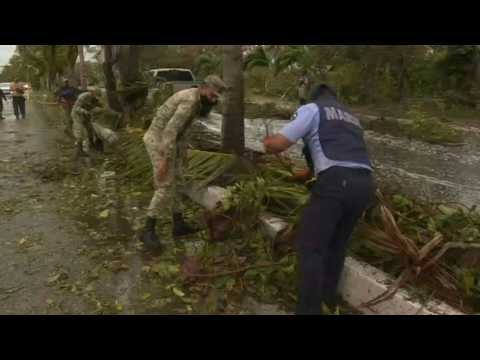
{"x":166,"y":142}
{"x":82,"y":124}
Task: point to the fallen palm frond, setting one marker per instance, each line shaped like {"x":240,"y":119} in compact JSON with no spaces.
{"x":418,"y":243}
{"x":137,"y":166}
{"x":422,"y":258}
{"x":205,"y":167}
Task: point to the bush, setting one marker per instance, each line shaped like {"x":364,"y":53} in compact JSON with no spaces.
{"x":430,"y":129}
{"x":423,"y":127}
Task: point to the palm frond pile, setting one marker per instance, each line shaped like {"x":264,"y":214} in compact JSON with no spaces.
{"x":424,"y":244}
{"x":421,"y":244}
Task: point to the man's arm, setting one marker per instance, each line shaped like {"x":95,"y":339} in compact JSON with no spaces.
{"x":291,"y":133}
{"x":174,"y":126}
{"x":277,"y":144}
{"x":168,"y":143}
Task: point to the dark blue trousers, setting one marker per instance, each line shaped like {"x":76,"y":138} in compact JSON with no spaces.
{"x":18,"y":103}
{"x":339,"y":198}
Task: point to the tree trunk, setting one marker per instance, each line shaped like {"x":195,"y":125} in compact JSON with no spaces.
{"x":402,"y":91}
{"x":110,"y":82}
{"x":52,"y":71}
{"x":83,"y":77}
{"x":122,"y":62}
{"x":233,"y":127}
{"x":128,"y":65}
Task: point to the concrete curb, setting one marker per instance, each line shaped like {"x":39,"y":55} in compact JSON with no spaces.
{"x":360,"y":282}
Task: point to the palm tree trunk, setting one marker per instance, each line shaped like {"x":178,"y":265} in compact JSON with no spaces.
{"x":110,"y":81}
{"x":52,"y":72}
{"x":233,"y":126}
{"x":83,"y":77}
{"x":128,"y":65}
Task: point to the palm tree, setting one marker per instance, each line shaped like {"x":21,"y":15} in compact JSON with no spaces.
{"x":262,"y":56}
{"x":299,"y":56}
{"x":233,"y":126}
{"x":128,"y":93}
{"x":83,"y":78}
{"x":48,"y":61}
{"x":208,"y":63}
{"x":109,"y":59}
{"x":259,"y":57}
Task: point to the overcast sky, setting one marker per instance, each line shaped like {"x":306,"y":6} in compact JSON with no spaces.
{"x":6,"y":51}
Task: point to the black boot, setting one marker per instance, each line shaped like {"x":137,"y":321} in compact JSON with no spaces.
{"x":99,"y":146}
{"x":180,"y":228}
{"x":150,"y":238}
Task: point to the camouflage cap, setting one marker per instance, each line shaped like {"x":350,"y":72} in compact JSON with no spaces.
{"x":216,"y":83}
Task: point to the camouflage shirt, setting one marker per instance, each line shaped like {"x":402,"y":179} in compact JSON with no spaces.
{"x":173,"y":119}
{"x":86,"y":101}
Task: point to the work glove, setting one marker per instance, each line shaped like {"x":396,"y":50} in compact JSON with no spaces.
{"x":302,"y":175}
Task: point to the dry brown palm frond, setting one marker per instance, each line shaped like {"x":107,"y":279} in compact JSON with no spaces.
{"x":391,"y":291}
{"x":405,"y":243}
{"x":444,"y":250}
{"x":422,"y":263}
{"x":432,"y":244}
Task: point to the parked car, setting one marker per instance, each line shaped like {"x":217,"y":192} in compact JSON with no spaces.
{"x":174,"y":79}
{"x":6,"y":89}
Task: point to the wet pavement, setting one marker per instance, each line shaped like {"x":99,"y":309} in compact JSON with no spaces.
{"x":68,"y":230}
{"x":34,"y":239}
{"x":69,"y":234}
{"x":57,"y":256}
{"x":430,"y":172}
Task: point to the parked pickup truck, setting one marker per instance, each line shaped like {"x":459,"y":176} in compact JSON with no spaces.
{"x":6,"y":89}
{"x":166,"y":82}
{"x":173,"y":80}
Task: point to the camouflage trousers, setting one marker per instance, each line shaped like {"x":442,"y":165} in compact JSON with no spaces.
{"x":167,"y":198}
{"x":68,"y":122}
{"x":80,"y":132}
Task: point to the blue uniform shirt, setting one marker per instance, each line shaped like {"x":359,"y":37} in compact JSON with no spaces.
{"x":306,"y":126}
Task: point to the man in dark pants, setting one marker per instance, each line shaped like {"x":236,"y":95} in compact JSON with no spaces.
{"x":2,"y":97}
{"x":18,"y":99}
{"x":336,"y":150}
{"x":66,"y":96}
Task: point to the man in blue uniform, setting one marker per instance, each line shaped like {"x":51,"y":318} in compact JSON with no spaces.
{"x":336,"y":152}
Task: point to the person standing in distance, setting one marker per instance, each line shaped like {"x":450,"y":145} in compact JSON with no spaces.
{"x":18,"y":99}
